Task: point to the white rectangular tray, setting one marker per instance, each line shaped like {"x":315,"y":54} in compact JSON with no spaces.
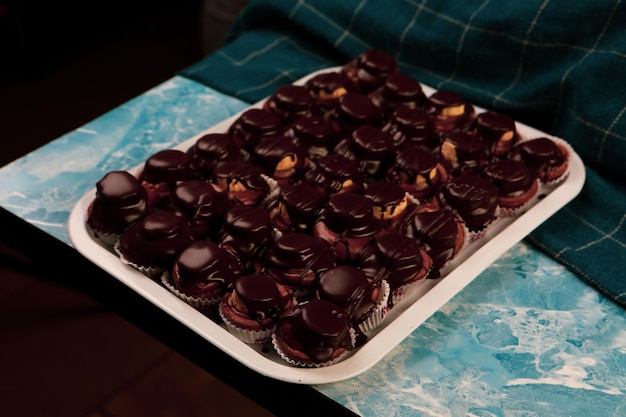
{"x":401,"y":320}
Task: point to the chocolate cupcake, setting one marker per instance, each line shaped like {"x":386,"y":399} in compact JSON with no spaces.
{"x":296,"y":260}
{"x":497,"y":131}
{"x":474,"y":199}
{"x":212,"y":149}
{"x":202,"y":205}
{"x":348,"y":224}
{"x":277,"y":156}
{"x":297,"y":207}
{"x":252,"y":125}
{"x":327,"y":87}
{"x":418,"y":172}
{"x":314,"y":136}
{"x":390,"y":203}
{"x":371,"y":148}
{"x":463,"y":151}
{"x":243,"y":182}
{"x":440,"y":233}
{"x":152,"y":244}
{"x":120,"y":202}
{"x":363,"y":299}
{"x":250,"y":311}
{"x":291,"y":102}
{"x":334,"y":174}
{"x":370,"y":69}
{"x":412,"y":127}
{"x":548,"y":158}
{"x":398,"y":90}
{"x":246,"y":232}
{"x":202,"y":274}
{"x":162,"y":171}
{"x":398,"y":260}
{"x":353,"y":110}
{"x":450,"y":111}
{"x":313,"y":334}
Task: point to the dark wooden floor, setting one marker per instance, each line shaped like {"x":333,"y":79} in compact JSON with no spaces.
{"x":62,"y":354}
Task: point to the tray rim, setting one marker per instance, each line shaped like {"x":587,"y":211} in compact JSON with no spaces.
{"x":408,"y":316}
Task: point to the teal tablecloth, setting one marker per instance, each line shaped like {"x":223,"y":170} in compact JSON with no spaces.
{"x":556,"y":65}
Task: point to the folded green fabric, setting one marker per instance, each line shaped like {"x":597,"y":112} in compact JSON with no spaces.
{"x":555,"y":65}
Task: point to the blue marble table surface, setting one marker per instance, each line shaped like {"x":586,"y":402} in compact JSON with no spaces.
{"x":525,"y":338}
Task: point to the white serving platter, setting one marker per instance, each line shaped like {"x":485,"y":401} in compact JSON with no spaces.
{"x":401,"y":320}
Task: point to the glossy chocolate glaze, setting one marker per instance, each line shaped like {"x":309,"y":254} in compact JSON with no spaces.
{"x":226,"y":174}
{"x":211,"y":149}
{"x":384,"y":194}
{"x":203,"y":264}
{"x":296,"y":257}
{"x":314,"y":135}
{"x":371,"y":147}
{"x":353,"y":110}
{"x":326,"y":87}
{"x":410,"y":127}
{"x":271,"y":150}
{"x":351,"y":215}
{"x":317,"y":328}
{"x":156,"y":240}
{"x":120,"y":201}
{"x":290,"y":102}
{"x":398,"y":90}
{"x":510,"y":177}
{"x":201,"y":204}
{"x":253,"y":124}
{"x":491,"y":127}
{"x":299,"y":205}
{"x":463,"y":151}
{"x":541,"y":154}
{"x":246,"y":231}
{"x":349,"y":288}
{"x":393,"y":257}
{"x":414,"y":162}
{"x":473,"y":198}
{"x":335,"y":173}
{"x":370,"y":69}
{"x":261,"y":297}
{"x":441,"y":100}
{"x":167,"y":166}
{"x":437,"y":232}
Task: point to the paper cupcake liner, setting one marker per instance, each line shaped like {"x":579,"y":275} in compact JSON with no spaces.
{"x":251,"y":337}
{"x":404,"y":291}
{"x":568,"y":148}
{"x":480,"y":233}
{"x":200,"y":303}
{"x":274,"y":191}
{"x":515,"y":211}
{"x":301,"y":364}
{"x":106,"y":239}
{"x":153,"y":272}
{"x":379,"y":312}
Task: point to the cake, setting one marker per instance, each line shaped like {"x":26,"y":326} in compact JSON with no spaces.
{"x":250,"y":311}
{"x":363,"y":299}
{"x":440,"y":233}
{"x":473,"y":198}
{"x":252,"y":125}
{"x":398,"y":260}
{"x":548,"y":158}
{"x":291,"y":102}
{"x":202,"y":274}
{"x":277,"y":156}
{"x":296,"y":261}
{"x":152,"y":244}
{"x":162,"y":170}
{"x":327,"y":87}
{"x":246,"y":232}
{"x":314,"y":333}
{"x":353,"y":110}
{"x":390,"y":203}
{"x":333,"y":174}
{"x":450,"y":111}
{"x":201,"y":204}
{"x":370,"y":69}
{"x":498,"y":132}
{"x":463,"y":151}
{"x":120,"y":201}
{"x":371,"y":147}
{"x":418,"y":172}
{"x":517,"y":184}
{"x":313,"y":136}
{"x":412,"y":127}
{"x":296,"y":208}
{"x":212,"y":149}
{"x":242,"y":181}
{"x":398,"y":90}
{"x":348,"y":224}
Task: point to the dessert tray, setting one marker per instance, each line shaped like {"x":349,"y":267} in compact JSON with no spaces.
{"x":401,"y":320}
